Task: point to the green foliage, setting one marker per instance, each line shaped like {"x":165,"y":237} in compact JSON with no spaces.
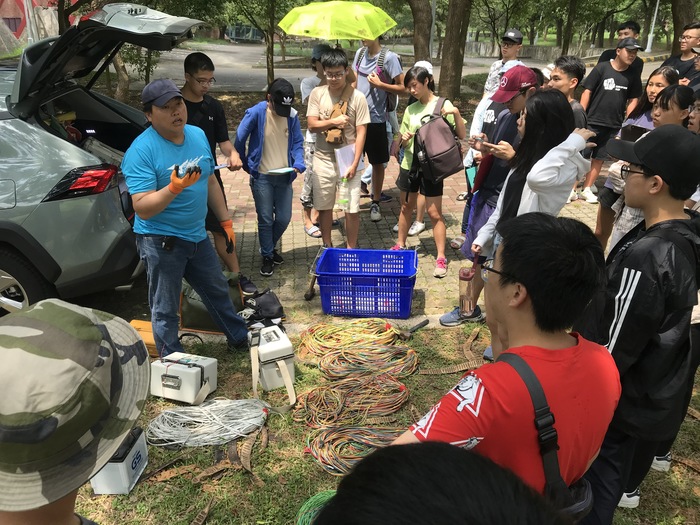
{"x":138,"y":58}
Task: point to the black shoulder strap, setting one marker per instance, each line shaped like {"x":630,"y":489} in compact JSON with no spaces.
{"x":380,"y":60}
{"x":363,"y":50}
{"x":677,"y":238}
{"x":555,"y":487}
{"x":202,"y":112}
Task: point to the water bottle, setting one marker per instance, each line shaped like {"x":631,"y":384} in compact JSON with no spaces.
{"x":343,"y":194}
{"x":466,"y":282}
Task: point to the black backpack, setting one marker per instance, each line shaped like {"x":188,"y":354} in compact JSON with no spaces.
{"x":436,"y":146}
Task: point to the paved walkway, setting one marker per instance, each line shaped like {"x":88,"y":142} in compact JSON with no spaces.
{"x":431,"y":297}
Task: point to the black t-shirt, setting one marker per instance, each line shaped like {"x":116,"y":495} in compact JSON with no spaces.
{"x":210,"y":117}
{"x":637,"y":66}
{"x":506,"y":129}
{"x":490,"y":121}
{"x":685,"y":68}
{"x":610,"y":91}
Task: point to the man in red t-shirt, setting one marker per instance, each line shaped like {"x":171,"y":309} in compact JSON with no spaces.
{"x":544,"y":273}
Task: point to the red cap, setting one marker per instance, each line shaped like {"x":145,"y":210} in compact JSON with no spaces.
{"x":513,"y":81}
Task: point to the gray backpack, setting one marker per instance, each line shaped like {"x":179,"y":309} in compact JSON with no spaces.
{"x":436,"y":146}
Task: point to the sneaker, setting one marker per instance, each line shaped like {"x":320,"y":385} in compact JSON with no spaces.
{"x":587,"y":195}
{"x":396,"y":228}
{"x":573,"y":196}
{"x":268,"y":266}
{"x":488,"y":353}
{"x":239,"y":346}
{"x":454,"y":318}
{"x":630,"y":500}
{"x":374,"y":214}
{"x":440,"y":268}
{"x":383,"y":197}
{"x":662,"y":463}
{"x":276,"y":257}
{"x":247,"y":286}
{"x":397,"y":246}
{"x":364,"y":190}
{"x":416,"y":228}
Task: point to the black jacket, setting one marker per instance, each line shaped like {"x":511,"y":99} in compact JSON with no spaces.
{"x":643,"y":318}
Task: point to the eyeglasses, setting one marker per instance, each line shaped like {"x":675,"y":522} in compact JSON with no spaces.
{"x":334,"y":76}
{"x":206,"y":82}
{"x":508,"y":44}
{"x":625,"y":171}
{"x":687,"y":37}
{"x":488,"y":267}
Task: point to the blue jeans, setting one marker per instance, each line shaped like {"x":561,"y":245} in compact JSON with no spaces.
{"x":197,"y":262}
{"x":273,"y":203}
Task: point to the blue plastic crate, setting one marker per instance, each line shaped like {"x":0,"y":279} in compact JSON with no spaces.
{"x":367,"y":283}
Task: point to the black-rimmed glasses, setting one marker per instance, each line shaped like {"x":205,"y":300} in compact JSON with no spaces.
{"x":488,"y":267}
{"x":625,"y":171}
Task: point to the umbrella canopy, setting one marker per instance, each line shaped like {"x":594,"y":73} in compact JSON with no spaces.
{"x":337,"y":20}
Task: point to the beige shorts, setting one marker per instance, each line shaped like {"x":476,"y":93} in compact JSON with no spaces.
{"x":325,"y":183}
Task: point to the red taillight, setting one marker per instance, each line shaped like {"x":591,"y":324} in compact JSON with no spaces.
{"x":90,"y":180}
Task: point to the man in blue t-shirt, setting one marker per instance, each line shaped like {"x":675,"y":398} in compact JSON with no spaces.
{"x":376,"y":84}
{"x":168,"y":172}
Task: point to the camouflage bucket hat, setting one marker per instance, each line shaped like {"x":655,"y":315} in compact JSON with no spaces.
{"x":74,"y":383}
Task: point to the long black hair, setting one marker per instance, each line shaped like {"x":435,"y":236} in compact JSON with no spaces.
{"x":420,"y":74}
{"x":672,"y":77}
{"x":548,"y":122}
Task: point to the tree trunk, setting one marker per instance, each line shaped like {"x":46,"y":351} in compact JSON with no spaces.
{"x":476,"y":37}
{"x":62,"y":17}
{"x":270,"y":41}
{"x":600,"y":34}
{"x":438,"y":35}
{"x":648,"y":14}
{"x":283,"y":46}
{"x":560,"y":32}
{"x":457,"y":24}
{"x":222,"y":32}
{"x":149,"y":61}
{"x":422,"y":22}
{"x":569,"y":28}
{"x":683,"y":12}
{"x":612,"y":35}
{"x":122,"y":93}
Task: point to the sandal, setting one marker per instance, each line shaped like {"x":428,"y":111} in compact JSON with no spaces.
{"x":457,"y":242}
{"x":463,"y":196}
{"x":313,"y":231}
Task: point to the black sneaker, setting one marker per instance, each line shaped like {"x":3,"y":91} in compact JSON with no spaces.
{"x":276,"y":257}
{"x":267,"y":267}
{"x":247,"y":286}
{"x":239,"y":346}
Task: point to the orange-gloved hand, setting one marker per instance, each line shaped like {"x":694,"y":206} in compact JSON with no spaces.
{"x":177,"y":184}
{"x":230,"y":235}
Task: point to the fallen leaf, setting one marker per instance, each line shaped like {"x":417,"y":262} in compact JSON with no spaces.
{"x":165,"y":475}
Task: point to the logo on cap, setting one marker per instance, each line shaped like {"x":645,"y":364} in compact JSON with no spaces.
{"x":287,"y":101}
{"x":504,"y":82}
{"x":510,"y":33}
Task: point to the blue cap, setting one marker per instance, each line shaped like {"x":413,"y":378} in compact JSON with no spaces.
{"x":159,"y":92}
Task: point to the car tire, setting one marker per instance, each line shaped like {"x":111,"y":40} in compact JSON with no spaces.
{"x":20,"y":283}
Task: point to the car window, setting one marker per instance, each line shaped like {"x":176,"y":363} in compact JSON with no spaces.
{"x":7,"y":79}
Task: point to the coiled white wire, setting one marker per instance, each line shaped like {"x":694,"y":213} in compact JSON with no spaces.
{"x":214,"y":422}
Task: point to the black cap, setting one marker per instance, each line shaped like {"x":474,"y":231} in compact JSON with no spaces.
{"x":629,"y":43}
{"x":668,"y":151}
{"x":513,"y":35}
{"x":282,"y":95}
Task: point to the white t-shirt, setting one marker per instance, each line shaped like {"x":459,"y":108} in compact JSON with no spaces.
{"x":306,"y":87}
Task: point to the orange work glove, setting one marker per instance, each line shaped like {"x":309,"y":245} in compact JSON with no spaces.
{"x":230,"y":235}
{"x":177,"y":183}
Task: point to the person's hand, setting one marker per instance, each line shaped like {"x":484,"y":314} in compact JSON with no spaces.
{"x":406,"y":137}
{"x":341,"y":121}
{"x":230,"y":235}
{"x":374,"y":80}
{"x":477,"y":157}
{"x":476,"y":249}
{"x":684,"y":81}
{"x":475,"y":141}
{"x":454,"y":111}
{"x":352,"y":170}
{"x":503,"y":150}
{"x":177,"y":184}
{"x":586,"y":134}
{"x":234,"y":161}
{"x":395,"y":147}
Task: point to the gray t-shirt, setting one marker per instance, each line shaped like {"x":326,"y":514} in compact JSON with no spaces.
{"x":376,"y":98}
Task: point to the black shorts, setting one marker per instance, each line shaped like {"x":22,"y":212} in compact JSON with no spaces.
{"x":211,"y":222}
{"x":412,"y":184}
{"x":607,"y":197}
{"x":602,"y":136}
{"x":377,"y":143}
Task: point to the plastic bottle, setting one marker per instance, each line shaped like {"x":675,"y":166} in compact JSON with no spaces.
{"x":466,"y":282}
{"x":343,"y":194}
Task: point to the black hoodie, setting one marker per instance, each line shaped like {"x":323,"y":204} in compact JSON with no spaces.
{"x":643,"y":318}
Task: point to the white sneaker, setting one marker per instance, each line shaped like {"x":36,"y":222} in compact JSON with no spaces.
{"x":374,"y":214}
{"x":629,"y":500}
{"x":573,"y":196}
{"x":416,"y":228}
{"x":396,"y":229}
{"x":588,"y":196}
{"x":662,"y":463}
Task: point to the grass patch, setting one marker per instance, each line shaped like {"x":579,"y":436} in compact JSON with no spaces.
{"x":475,"y":81}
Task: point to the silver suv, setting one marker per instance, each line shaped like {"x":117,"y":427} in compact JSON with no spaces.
{"x":65,"y":214}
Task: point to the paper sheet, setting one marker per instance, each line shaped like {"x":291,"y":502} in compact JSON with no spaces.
{"x":344,"y":157}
